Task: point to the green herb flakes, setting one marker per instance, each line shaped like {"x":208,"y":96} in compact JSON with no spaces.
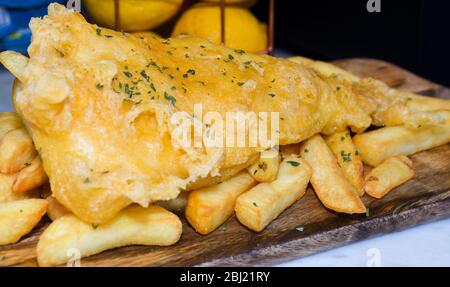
{"x":293,"y":163}
{"x":170,"y":98}
{"x":346,"y":156}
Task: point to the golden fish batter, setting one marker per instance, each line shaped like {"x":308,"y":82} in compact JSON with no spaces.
{"x":98,"y":103}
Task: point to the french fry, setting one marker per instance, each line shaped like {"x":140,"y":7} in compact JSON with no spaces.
{"x":266,"y":168}
{"x":379,"y":145}
{"x":328,"y":180}
{"x":30,"y":177}
{"x":175,"y":205}
{"x":209,"y":207}
{"x":55,"y":209}
{"x":263,"y":203}
{"x":134,"y":225}
{"x":390,"y":174}
{"x":427,"y":104}
{"x":16,"y":151}
{"x":348,"y":158}
{"x":14,"y":62}
{"x":9,"y":122}
{"x":6,"y":190}
{"x":18,"y":218}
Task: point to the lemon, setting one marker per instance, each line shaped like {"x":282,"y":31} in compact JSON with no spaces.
{"x":242,"y":29}
{"x":245,"y":3}
{"x":135,"y":15}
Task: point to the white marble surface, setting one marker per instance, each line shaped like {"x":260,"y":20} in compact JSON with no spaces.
{"x":426,"y":245}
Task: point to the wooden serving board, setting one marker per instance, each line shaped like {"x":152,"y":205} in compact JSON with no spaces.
{"x":423,"y":199}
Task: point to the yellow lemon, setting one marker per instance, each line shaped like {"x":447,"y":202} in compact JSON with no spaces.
{"x":242,"y":29}
{"x":135,"y":15}
{"x":245,"y":3}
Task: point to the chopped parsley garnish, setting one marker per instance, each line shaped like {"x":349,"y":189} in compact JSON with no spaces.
{"x":357,"y":152}
{"x":254,"y":203}
{"x":202,"y":46}
{"x":152,"y":63}
{"x":240,"y":51}
{"x":128,"y":74}
{"x":272,"y":95}
{"x":153,"y":87}
{"x":262,"y":166}
{"x":173,"y":88}
{"x":98,"y":31}
{"x":306,"y":150}
{"x":94,"y":226}
{"x":144,"y":75}
{"x":108,"y":36}
{"x":170,"y":98}
{"x":346,"y":156}
{"x":230,"y":57}
{"x":87,"y":180}
{"x":60,"y":53}
{"x":128,"y":91}
{"x":190,"y":71}
{"x":171,"y":76}
{"x":367,"y":212}
{"x":99,"y":86}
{"x":342,"y":138}
{"x":293,"y":163}
{"x":240,"y":84}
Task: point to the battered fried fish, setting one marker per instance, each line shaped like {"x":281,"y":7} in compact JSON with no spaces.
{"x":98,"y":105}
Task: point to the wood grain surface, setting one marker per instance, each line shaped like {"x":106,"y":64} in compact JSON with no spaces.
{"x":423,"y":199}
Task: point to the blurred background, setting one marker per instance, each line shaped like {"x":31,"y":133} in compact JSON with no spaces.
{"x":413,"y":34}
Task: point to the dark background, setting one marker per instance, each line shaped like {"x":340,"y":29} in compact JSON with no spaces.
{"x":413,"y":34}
